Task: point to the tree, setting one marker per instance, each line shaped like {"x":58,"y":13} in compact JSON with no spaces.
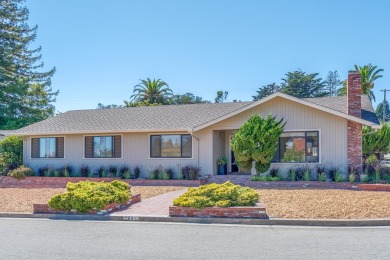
{"x":101,"y":106}
{"x":153,"y":91}
{"x":221,"y":96}
{"x":187,"y":98}
{"x":11,"y":153}
{"x":375,"y":142}
{"x":257,"y":140}
{"x":379,"y":111}
{"x":302,"y":85}
{"x":265,"y":91}
{"x":332,"y":83}
{"x":25,"y":91}
{"x":368,"y":74}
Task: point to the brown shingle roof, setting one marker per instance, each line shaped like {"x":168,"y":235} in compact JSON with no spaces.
{"x":173,"y":117}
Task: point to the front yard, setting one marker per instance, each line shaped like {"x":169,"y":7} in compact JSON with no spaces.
{"x":304,"y":204}
{"x":21,"y":200}
{"x":326,"y":204}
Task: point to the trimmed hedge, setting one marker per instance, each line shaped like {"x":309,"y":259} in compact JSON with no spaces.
{"x":220,"y":195}
{"x":85,"y":196}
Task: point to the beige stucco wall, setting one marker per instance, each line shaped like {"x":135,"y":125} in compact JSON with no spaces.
{"x":332,"y":130}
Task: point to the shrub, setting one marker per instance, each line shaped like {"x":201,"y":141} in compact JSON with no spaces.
{"x":338,"y":176}
{"x":292,"y":175}
{"x":20,"y":173}
{"x":352,"y":177}
{"x":332,"y":173}
{"x":191,"y":172}
{"x":375,"y":142}
{"x":170,"y":172}
{"x":321,"y":170}
{"x":265,"y":178}
{"x":43,"y":170}
{"x":322,"y":176}
{"x":153,"y":175}
{"x":101,"y":172}
{"x":84,"y":170}
{"x":257,"y":140}
{"x":164,"y":176}
{"x":137,"y":172}
{"x":220,"y":195}
{"x":127,"y":175}
{"x":122,"y":170}
{"x":56,"y":173}
{"x":180,"y":175}
{"x":112,"y":171}
{"x":65,"y":171}
{"x":274,"y":172}
{"x":11,"y":153}
{"x":85,"y":196}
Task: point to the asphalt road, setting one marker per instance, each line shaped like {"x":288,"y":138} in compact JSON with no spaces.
{"x":60,"y":239}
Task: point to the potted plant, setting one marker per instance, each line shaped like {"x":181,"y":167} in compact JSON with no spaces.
{"x":222,"y":165}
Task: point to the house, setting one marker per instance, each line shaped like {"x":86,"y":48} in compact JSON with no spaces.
{"x":4,"y":133}
{"x":318,"y":130}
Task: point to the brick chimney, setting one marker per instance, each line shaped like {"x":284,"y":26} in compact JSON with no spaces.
{"x":354,"y":105}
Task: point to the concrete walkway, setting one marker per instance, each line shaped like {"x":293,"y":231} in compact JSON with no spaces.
{"x":157,"y":206}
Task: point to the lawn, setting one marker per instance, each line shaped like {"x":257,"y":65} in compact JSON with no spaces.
{"x":21,"y":200}
{"x":326,"y":204}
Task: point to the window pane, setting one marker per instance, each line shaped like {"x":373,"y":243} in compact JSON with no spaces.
{"x":155,"y":146}
{"x":170,"y":146}
{"x":292,"y":147}
{"x":47,"y":147}
{"x":102,"y":146}
{"x":312,"y":147}
{"x":186,"y":146}
{"x":276,"y":157}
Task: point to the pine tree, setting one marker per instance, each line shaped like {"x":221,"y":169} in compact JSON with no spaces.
{"x":302,"y":85}
{"x":25,"y":91}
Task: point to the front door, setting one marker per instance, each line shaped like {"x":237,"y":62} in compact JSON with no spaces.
{"x":233,"y":166}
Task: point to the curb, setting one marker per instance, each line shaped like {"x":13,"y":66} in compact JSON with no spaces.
{"x":166,"y":219}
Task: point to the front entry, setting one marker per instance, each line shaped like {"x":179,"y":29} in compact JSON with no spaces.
{"x":232,"y":160}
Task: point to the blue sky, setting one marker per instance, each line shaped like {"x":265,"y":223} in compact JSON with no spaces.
{"x":102,"y":48}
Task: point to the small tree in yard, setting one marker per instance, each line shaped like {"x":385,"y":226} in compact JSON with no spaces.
{"x":257,"y":141}
{"x":375,"y":142}
{"x":11,"y":153}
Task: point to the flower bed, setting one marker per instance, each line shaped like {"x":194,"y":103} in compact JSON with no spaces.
{"x":225,"y":200}
{"x":60,"y":182}
{"x":109,"y":208}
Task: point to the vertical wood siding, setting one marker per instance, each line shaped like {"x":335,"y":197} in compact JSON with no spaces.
{"x":333,"y":141}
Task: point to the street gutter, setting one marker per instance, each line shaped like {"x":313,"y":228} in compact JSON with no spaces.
{"x":166,"y":219}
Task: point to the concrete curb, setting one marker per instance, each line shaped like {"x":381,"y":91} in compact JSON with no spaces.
{"x":166,"y":219}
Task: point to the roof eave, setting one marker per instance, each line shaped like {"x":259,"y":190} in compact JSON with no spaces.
{"x":291,"y":98}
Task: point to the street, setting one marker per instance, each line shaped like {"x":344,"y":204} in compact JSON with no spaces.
{"x":61,"y":239}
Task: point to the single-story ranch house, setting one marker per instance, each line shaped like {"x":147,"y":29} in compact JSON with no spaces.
{"x":318,"y":130}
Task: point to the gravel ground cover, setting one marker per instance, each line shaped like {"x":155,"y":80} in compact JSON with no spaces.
{"x":326,"y":204}
{"x":21,"y":200}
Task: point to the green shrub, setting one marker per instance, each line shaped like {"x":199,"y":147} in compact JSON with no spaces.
{"x":86,"y":196}
{"x":122,"y":170}
{"x":20,"y":173}
{"x":322,"y":176}
{"x":170,"y":172}
{"x":220,"y":195}
{"x":292,"y":174}
{"x":352,"y":177}
{"x":306,"y":175}
{"x":11,"y":153}
{"x":338,"y":176}
{"x":127,"y":175}
{"x":375,"y":142}
{"x":265,"y":178}
{"x":257,"y":140}
{"x":112,"y":171}
{"x":153,"y":175}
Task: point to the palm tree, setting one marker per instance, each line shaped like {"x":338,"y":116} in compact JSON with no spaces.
{"x":153,"y":91}
{"x":368,"y":74}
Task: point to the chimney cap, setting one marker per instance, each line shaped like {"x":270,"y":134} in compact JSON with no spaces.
{"x":353,"y":72}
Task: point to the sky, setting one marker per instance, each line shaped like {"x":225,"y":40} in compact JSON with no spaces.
{"x":101,"y":49}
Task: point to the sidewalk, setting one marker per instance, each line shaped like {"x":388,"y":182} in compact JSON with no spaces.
{"x":157,"y":206}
